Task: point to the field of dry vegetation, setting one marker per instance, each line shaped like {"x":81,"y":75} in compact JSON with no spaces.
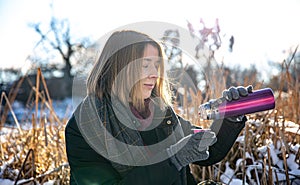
{"x":264,"y":153}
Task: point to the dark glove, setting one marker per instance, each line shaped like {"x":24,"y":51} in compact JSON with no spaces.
{"x":191,"y":148}
{"x":234,"y":93}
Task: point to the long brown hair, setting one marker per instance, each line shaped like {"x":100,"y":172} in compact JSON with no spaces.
{"x":118,"y":68}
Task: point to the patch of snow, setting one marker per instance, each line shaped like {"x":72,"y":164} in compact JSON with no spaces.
{"x":237,"y":182}
{"x":228,"y":174}
{"x":6,"y":182}
{"x":292,"y":165}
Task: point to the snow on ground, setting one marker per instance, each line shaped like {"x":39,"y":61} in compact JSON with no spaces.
{"x":62,"y":109}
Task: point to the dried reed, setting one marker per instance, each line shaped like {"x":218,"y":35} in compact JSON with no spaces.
{"x":273,"y":127}
{"x":37,"y":152}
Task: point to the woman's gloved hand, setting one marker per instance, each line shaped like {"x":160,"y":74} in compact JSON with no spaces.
{"x":234,"y":93}
{"x":191,"y":148}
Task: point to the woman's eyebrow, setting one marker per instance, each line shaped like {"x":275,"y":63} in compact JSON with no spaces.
{"x":147,"y":58}
{"x":155,"y":59}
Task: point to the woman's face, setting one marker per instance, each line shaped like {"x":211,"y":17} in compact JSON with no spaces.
{"x":150,"y":65}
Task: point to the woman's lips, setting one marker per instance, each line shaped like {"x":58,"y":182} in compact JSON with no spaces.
{"x":150,"y":86}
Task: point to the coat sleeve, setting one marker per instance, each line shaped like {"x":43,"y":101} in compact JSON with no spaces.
{"x":90,"y":168}
{"x":227,"y":133}
{"x":186,"y":125}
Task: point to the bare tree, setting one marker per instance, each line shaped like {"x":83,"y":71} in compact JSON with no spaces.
{"x":57,"y":49}
{"x":59,"y":56}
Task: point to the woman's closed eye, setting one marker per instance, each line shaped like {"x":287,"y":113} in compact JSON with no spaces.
{"x":148,"y":61}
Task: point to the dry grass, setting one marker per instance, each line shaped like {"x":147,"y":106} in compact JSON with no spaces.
{"x":38,"y":154}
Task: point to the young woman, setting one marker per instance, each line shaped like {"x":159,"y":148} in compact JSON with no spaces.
{"x":126,"y":132}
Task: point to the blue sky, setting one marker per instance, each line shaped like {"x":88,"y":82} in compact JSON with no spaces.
{"x":262,"y":29}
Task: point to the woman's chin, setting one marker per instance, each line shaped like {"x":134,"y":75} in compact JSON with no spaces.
{"x":146,"y":96}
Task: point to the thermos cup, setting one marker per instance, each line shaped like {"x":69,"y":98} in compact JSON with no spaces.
{"x":259,"y":100}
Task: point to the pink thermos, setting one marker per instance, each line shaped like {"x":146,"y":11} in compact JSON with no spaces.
{"x":259,"y":100}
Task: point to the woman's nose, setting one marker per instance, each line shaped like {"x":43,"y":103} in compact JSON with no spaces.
{"x":153,"y":72}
